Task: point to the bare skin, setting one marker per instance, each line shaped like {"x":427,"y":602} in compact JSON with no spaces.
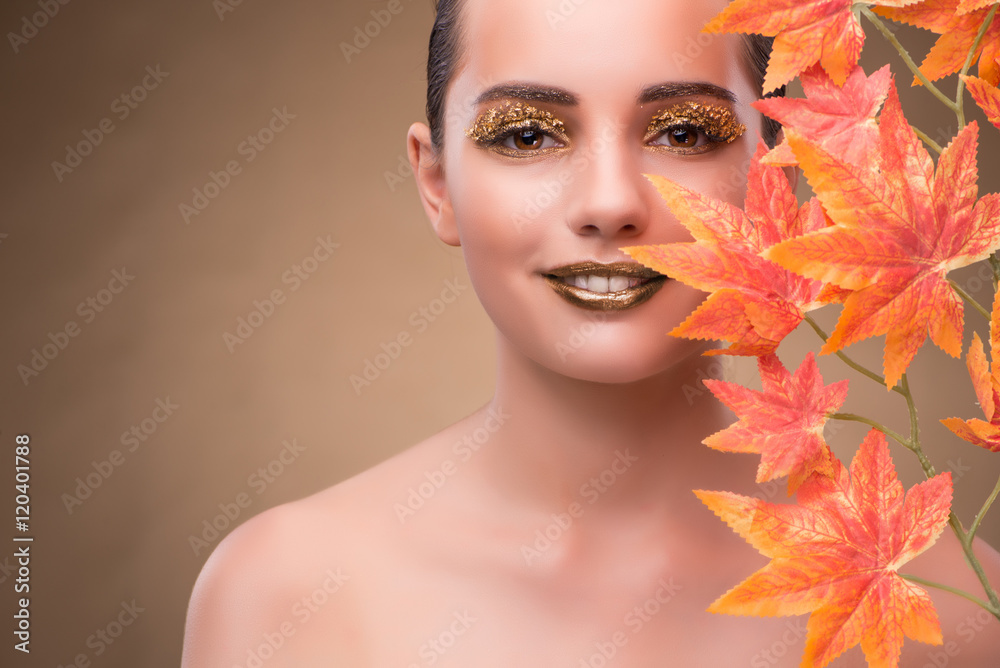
{"x":556,"y":526}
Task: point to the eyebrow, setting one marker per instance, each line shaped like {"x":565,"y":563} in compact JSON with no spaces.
{"x":528,"y":92}
{"x":561,"y":96}
{"x":668,"y":90}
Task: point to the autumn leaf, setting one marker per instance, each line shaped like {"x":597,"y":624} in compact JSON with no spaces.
{"x":986,"y":96}
{"x":840,"y":119}
{"x":754,"y":303}
{"x":986,"y":381}
{"x":783,"y":422}
{"x":900,"y":228}
{"x":805,"y":32}
{"x":958,"y":23}
{"x":836,"y":555}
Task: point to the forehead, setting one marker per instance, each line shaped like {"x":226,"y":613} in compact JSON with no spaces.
{"x":600,"y":48}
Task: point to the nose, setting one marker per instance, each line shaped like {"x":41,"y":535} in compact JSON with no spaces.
{"x":611,"y":198}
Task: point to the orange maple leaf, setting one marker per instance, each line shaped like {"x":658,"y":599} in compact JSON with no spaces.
{"x":986,"y":381}
{"x":754,"y":303}
{"x":899,"y":230}
{"x":784,"y":422}
{"x":836,"y":554}
{"x":840,"y":119}
{"x":958,"y":23}
{"x":805,"y":32}
{"x":986,"y":96}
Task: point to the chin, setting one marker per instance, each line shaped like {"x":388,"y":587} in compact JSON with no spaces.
{"x":618,"y":361}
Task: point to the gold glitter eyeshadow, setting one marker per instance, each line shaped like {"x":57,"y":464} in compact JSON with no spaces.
{"x":718,"y":123}
{"x":498,"y":122}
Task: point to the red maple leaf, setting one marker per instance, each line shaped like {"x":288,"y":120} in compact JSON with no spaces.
{"x":840,"y":119}
{"x":783,"y":422}
{"x":986,"y":381}
{"x":805,"y":31}
{"x":986,"y":96}
{"x":754,"y":303}
{"x":836,"y":554}
{"x":899,"y":230}
{"x":958,"y":23}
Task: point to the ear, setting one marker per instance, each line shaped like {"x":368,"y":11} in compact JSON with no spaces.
{"x":792,"y":171}
{"x":428,"y":171}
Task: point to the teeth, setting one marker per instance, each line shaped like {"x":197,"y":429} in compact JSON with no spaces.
{"x":603,"y":284}
{"x":597,"y":283}
{"x":617,"y":283}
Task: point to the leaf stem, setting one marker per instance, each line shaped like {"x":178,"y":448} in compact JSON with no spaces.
{"x":995,"y":265}
{"x":969,"y":299}
{"x":960,"y":95}
{"x":964,"y":594}
{"x":884,"y":29}
{"x":851,"y":417}
{"x":982,"y":511}
{"x":927,"y":140}
{"x":847,"y":360}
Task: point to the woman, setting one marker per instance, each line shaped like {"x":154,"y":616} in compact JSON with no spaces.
{"x":555,"y":526}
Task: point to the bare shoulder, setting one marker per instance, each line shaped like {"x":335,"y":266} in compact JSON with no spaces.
{"x":264,"y":581}
{"x":298,"y":579}
{"x":971,"y":634}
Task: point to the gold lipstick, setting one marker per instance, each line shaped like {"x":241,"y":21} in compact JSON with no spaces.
{"x":615,"y":286}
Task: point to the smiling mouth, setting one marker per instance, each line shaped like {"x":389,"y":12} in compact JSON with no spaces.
{"x":605,"y":287}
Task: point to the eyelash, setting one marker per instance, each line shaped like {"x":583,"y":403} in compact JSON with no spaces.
{"x":723,"y":129}
{"x":545,"y":130}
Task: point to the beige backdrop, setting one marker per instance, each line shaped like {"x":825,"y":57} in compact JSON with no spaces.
{"x":133,"y":303}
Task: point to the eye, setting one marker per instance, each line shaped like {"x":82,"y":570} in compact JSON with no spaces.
{"x":528,"y":140}
{"x":683,"y":136}
{"x":693,"y":127}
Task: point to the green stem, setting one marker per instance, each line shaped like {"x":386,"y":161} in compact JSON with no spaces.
{"x":851,"y":417}
{"x":847,"y":360}
{"x":884,"y":29}
{"x":995,"y":265}
{"x":982,"y":511}
{"x":970,"y":300}
{"x":927,"y":140}
{"x":964,"y":537}
{"x":960,"y":95}
{"x":914,"y":441}
{"x":964,"y":594}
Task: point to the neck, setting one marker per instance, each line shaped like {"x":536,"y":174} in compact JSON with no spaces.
{"x":640,"y":441}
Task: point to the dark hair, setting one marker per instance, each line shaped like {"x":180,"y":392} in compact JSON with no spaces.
{"x":443,"y":54}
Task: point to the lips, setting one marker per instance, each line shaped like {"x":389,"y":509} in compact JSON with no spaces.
{"x":605,"y":287}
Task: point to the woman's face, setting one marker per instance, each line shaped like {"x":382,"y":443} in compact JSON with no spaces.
{"x":556,"y":112}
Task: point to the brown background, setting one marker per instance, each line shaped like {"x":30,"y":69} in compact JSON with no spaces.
{"x":162,"y":336}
